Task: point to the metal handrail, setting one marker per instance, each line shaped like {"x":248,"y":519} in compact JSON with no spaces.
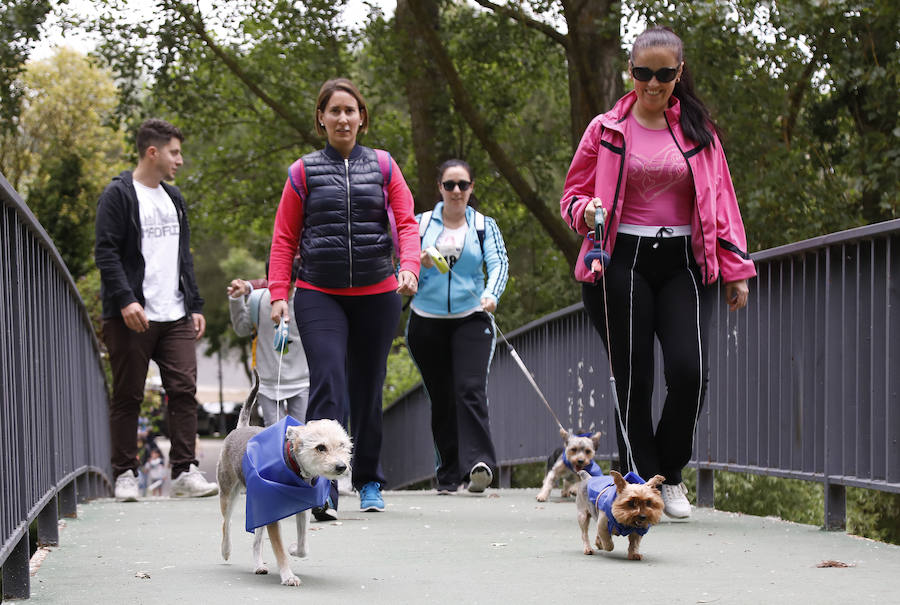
{"x":54,"y":426}
{"x":804,"y":382}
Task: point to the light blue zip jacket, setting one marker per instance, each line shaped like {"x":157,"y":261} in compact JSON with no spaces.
{"x":463,"y":288}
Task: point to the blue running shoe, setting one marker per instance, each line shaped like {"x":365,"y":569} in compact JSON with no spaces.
{"x":370,"y":499}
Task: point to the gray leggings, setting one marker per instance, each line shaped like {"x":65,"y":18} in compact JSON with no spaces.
{"x":295,"y":406}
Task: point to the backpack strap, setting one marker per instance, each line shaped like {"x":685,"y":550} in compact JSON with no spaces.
{"x":255,"y":297}
{"x":297,"y":176}
{"x":479,"y":229}
{"x":387,"y":169}
{"x":424,"y":221}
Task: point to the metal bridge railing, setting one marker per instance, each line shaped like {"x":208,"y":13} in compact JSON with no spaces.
{"x":54,"y":426}
{"x":804,"y":382}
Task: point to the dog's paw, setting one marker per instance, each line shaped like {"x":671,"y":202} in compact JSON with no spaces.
{"x":635,"y":556}
{"x":294,"y":551}
{"x":588,"y":550}
{"x":291,"y":580}
{"x":261,"y":570}
{"x":541,"y":497}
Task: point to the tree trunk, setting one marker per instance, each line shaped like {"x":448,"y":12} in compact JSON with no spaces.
{"x":562,"y":237}
{"x":425,"y":97}
{"x":594,"y":58}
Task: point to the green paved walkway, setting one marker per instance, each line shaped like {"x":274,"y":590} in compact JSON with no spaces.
{"x":500,"y":548}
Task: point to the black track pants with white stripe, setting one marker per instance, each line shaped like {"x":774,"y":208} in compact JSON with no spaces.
{"x":454,"y":357}
{"x":654,"y":291}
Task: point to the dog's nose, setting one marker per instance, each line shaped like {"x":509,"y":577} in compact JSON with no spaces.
{"x":340,"y":467}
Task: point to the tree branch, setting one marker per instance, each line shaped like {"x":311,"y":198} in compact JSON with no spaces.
{"x":234,"y":67}
{"x":550,"y":221}
{"x":519,"y":15}
{"x":795,"y":98}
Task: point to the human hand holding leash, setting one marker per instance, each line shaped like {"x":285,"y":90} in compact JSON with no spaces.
{"x":590,"y":212}
{"x":279,"y":310}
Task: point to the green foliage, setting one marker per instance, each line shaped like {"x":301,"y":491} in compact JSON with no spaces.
{"x":59,"y":204}
{"x":873,"y":514}
{"x":63,"y":153}
{"x":20,"y":22}
{"x":788,"y":499}
{"x":402,"y":373}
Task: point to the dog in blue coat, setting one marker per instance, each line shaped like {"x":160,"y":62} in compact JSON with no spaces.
{"x":623,"y":506}
{"x":577,"y":454}
{"x":287,"y":469}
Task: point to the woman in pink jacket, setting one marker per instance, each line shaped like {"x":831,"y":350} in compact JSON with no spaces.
{"x":654,"y":171}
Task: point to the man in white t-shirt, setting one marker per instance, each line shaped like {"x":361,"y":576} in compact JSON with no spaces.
{"x":151,"y":308}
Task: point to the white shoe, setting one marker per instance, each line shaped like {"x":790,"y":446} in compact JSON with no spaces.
{"x":480,"y":478}
{"x":191,"y":484}
{"x":676,"y":502}
{"x":127,"y":487}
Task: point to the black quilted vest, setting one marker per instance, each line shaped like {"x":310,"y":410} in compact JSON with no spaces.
{"x":346,"y":237}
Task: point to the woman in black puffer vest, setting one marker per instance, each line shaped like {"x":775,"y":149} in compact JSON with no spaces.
{"x":339,"y":206}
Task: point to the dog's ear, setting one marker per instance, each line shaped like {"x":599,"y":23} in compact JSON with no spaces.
{"x":564,"y":434}
{"x":618,"y":480}
{"x":656,"y":481}
{"x":293,"y":433}
{"x":595,"y":438}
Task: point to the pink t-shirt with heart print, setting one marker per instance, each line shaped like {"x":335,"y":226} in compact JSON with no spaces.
{"x":659,"y":189}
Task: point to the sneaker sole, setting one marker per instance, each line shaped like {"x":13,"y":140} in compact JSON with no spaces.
{"x":479,"y":481}
{"x":203,"y":495}
{"x":127,"y":499}
{"x":374,"y":508}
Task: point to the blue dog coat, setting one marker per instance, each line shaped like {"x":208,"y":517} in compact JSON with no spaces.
{"x":601,"y":491}
{"x":274,"y":489}
{"x":593,"y":470}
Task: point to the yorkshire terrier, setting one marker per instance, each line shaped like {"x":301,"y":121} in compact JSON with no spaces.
{"x":622,"y":508}
{"x":577,"y":455}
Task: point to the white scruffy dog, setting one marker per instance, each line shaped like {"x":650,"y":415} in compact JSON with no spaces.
{"x":321,"y":448}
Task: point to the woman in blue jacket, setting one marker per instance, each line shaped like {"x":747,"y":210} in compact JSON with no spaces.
{"x":451,"y":330}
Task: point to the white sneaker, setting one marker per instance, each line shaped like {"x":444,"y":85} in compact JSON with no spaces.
{"x":127,"y":487}
{"x":676,"y":502}
{"x":480,"y":478}
{"x":191,"y":484}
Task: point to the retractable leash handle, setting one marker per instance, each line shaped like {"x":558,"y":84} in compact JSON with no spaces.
{"x":597,"y":258}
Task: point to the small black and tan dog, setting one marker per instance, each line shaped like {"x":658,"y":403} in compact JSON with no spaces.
{"x":564,"y":465}
{"x":622,"y":506}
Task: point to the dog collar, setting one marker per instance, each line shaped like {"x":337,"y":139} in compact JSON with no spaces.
{"x":289,"y":458}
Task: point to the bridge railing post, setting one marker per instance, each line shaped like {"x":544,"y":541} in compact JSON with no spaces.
{"x":68,"y":501}
{"x":16,"y":572}
{"x":835,"y":506}
{"x":48,"y":524}
{"x":706,"y":488}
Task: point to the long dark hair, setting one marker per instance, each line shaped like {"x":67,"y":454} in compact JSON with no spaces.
{"x":696,"y":122}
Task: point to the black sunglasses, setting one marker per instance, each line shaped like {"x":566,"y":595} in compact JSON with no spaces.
{"x":645,"y":74}
{"x":451,"y":185}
